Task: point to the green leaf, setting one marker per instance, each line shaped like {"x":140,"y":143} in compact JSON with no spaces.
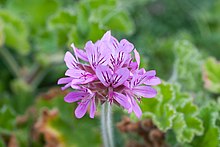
{"x":95,"y":32}
{"x":187,"y":66}
{"x":35,"y":12}
{"x":95,"y":4}
{"x":46,"y":42}
{"x":118,"y":20}
{"x":210,"y":114}
{"x":22,"y":133}
{"x":173,"y":110}
{"x":211,"y":74}
{"x":62,"y":18}
{"x":83,"y":14}
{"x":7,"y":120}
{"x":61,"y":23}
{"x":15,"y":32}
{"x":23,"y":95}
{"x":74,"y":37}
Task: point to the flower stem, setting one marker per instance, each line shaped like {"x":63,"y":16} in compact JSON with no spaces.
{"x":109,"y":124}
{"x":106,"y":125}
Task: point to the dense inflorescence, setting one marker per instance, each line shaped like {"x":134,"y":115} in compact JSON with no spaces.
{"x":105,"y":71}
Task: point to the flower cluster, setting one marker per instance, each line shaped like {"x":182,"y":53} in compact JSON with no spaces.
{"x":107,"y":71}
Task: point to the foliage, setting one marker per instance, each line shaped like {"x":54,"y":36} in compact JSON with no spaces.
{"x":173,"y":109}
{"x":14,"y":32}
{"x":210,"y":115}
{"x":7,"y":121}
{"x":211,"y":74}
{"x":187,"y":66}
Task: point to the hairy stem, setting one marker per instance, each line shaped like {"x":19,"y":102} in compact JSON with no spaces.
{"x":106,"y":125}
{"x":109,"y":124}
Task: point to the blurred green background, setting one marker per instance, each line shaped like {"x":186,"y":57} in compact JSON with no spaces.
{"x":178,"y":38}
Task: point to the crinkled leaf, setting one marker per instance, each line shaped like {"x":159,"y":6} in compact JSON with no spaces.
{"x":186,"y":119}
{"x":211,"y":136}
{"x":159,"y":108}
{"x":165,"y":117}
{"x":187,"y":69}
{"x":211,"y":74}
{"x":175,"y":110}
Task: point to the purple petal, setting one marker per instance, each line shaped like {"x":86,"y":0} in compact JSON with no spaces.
{"x":74,"y":96}
{"x":133,"y":66}
{"x":133,"y":80}
{"x":106,"y":36}
{"x":153,"y":81}
{"x":64,"y":80}
{"x":104,"y":74}
{"x":135,"y":107}
{"x":120,"y":76}
{"x":91,"y":52}
{"x":122,"y":100}
{"x":104,"y":53}
{"x":89,"y":79}
{"x":83,"y":80}
{"x":76,"y":73}
{"x":144,"y":91}
{"x":81,"y":109}
{"x":71,"y":62}
{"x":92,"y":108}
{"x":77,"y":81}
{"x":125,"y":46}
{"x":66,"y":86}
{"x":75,"y":86}
{"x":98,"y":53}
{"x":147,"y":75}
{"x":141,"y":71}
{"x":150,"y":73}
{"x":79,"y":53}
{"x":112,"y":44}
{"x":137,"y":57}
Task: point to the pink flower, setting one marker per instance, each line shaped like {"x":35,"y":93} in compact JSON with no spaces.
{"x":105,"y":71}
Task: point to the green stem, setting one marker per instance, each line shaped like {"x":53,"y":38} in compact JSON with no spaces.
{"x":10,"y":61}
{"x":109,"y":124}
{"x":106,"y":125}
